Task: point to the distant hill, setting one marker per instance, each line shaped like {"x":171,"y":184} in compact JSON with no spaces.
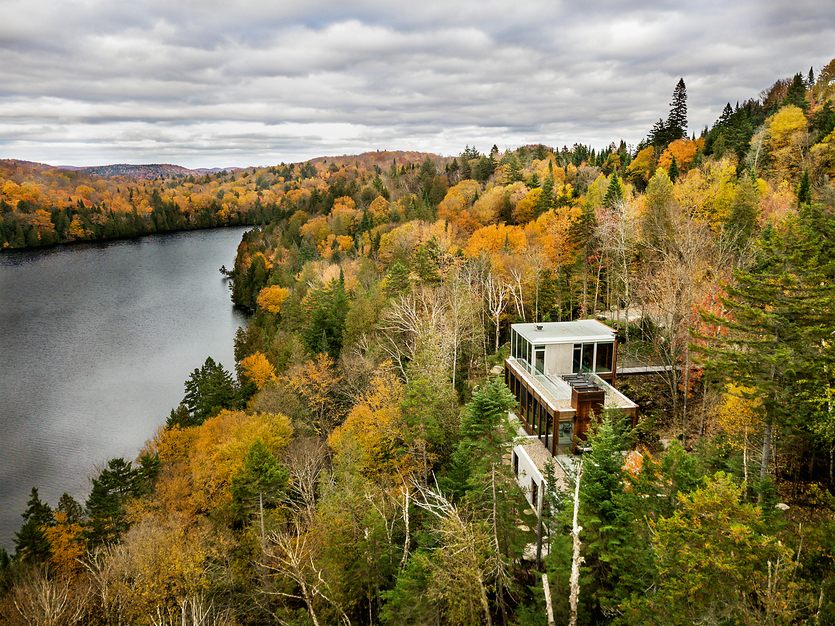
{"x":146,"y":172}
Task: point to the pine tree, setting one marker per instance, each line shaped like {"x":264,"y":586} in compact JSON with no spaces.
{"x":208,"y":390}
{"x":546,"y":198}
{"x":396,"y":281}
{"x":676,"y":125}
{"x":796,"y":94}
{"x":673,"y":171}
{"x":111,"y":489}
{"x":614,"y":192}
{"x":31,"y":545}
{"x":745,"y":212}
{"x":804,"y":189}
{"x":780,"y":323}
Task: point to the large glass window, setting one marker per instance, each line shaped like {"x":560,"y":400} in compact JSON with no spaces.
{"x":588,"y":357}
{"x":539,"y":359}
{"x":577,"y":359}
{"x":566,"y":433}
{"x":605,"y":356}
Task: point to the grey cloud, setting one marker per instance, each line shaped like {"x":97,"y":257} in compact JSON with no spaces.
{"x":268,"y":81}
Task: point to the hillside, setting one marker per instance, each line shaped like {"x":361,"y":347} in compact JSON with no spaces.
{"x":145,"y":172}
{"x":354,"y":467}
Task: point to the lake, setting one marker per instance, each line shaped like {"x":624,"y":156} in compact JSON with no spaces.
{"x":96,"y":342}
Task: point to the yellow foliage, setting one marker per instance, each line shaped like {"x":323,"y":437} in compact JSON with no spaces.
{"x":10,"y":189}
{"x":174,"y":486}
{"x":642,"y":166}
{"x":271,"y":298}
{"x":708,"y":191}
{"x":375,"y":426}
{"x":77,"y":230}
{"x":165,"y":561}
{"x":787,"y":141}
{"x":551,"y":231}
{"x":258,"y":369}
{"x":379,"y":210}
{"x":316,"y":382}
{"x":496,"y":238}
{"x":85,"y":192}
{"x":525,"y":209}
{"x":343,"y":216}
{"x":220,"y":450}
{"x":823,"y":155}
{"x":784,"y":125}
{"x":316,"y":230}
{"x":403,"y":239}
{"x":65,"y":543}
{"x":740,"y":414}
{"x":42,"y":221}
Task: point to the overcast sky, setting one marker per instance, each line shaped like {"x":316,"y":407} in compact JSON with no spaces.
{"x":211,"y":83}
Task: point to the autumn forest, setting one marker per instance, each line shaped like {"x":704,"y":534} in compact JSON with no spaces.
{"x":354,"y":467}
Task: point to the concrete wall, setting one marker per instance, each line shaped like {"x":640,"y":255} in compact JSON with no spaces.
{"x":528,"y":473}
{"x":558,"y":358}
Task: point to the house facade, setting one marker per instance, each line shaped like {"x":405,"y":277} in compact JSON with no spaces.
{"x":562,"y":375}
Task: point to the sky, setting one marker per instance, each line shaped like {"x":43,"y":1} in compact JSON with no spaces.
{"x":216,"y":83}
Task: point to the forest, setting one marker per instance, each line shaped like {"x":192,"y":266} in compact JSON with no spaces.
{"x":354,"y":468}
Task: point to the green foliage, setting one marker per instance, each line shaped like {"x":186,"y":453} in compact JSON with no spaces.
{"x":209,"y":390}
{"x":397,"y":281}
{"x":485,"y":436}
{"x":326,"y":312}
{"x":614,"y":192}
{"x":804,"y":189}
{"x":31,"y":545}
{"x":262,"y":481}
{"x":715,"y":563}
{"x":111,"y":489}
{"x":745,"y":213}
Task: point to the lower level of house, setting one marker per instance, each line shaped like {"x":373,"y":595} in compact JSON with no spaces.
{"x":555,"y":414}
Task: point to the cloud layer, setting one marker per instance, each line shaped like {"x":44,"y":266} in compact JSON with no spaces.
{"x":216,"y":83}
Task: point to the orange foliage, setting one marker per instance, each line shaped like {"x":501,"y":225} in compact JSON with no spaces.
{"x":496,"y":238}
{"x":271,"y":298}
{"x":683,"y":150}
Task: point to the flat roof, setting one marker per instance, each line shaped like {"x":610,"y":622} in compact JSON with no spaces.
{"x":578,"y":331}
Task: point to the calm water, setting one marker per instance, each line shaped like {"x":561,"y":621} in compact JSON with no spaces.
{"x":96,"y":342}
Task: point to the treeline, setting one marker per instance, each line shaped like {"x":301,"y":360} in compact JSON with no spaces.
{"x":353,"y":469}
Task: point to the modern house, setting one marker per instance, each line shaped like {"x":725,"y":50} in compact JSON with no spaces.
{"x":561,"y":374}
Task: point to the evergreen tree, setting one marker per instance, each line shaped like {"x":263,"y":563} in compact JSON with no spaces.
{"x":261,"y":482}
{"x":676,"y":125}
{"x":111,"y":489}
{"x":485,"y":435}
{"x":745,"y":212}
{"x":665,"y":132}
{"x":546,"y":198}
{"x":396,"y":281}
{"x":804,"y":189}
{"x":673,"y":171}
{"x":506,"y":209}
{"x":426,"y":262}
{"x":31,"y":545}
{"x":781,"y":318}
{"x":208,"y":390}
{"x":326,"y":313}
{"x":796,"y":94}
{"x":614,"y":192}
